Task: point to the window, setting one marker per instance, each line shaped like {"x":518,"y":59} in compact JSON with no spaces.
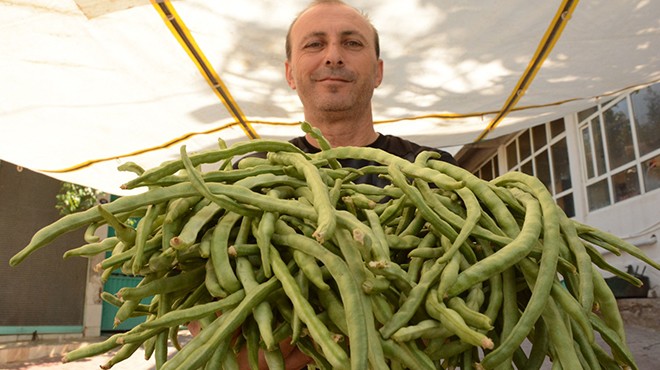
{"x":621,"y":147}
{"x":488,"y":170}
{"x":542,"y":152}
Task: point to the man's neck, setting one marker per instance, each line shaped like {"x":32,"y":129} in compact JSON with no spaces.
{"x":344,"y":131}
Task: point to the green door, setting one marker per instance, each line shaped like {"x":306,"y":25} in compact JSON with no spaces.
{"x":115,"y":282}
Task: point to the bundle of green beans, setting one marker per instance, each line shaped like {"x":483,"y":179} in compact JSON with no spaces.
{"x":437,"y":270}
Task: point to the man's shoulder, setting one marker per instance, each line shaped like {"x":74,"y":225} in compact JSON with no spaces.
{"x":407,"y":149}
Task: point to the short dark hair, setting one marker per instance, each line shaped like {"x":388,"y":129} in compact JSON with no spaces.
{"x":287,"y":44}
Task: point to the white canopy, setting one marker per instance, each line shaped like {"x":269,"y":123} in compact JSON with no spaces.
{"x":88,"y":84}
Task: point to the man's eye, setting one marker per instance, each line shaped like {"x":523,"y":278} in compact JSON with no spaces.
{"x":353,"y":44}
{"x":313,"y":45}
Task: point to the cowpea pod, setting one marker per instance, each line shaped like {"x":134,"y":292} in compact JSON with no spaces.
{"x":219,"y":253}
{"x":243,"y":250}
{"x":222,"y":357}
{"x":266,"y":226}
{"x":599,"y":261}
{"x":333,"y":352}
{"x":326,"y":219}
{"x":262,"y":312}
{"x":181,"y":316}
{"x":379,"y":252}
{"x":225,"y":176}
{"x":211,"y":281}
{"x":222,"y":327}
{"x":221,"y":201}
{"x":454,"y":322}
{"x":506,"y":256}
{"x":449,"y":274}
{"x":123,"y":353}
{"x":348,"y":289}
{"x":211,"y":156}
{"x":603,"y":238}
{"x":144,"y":230}
{"x":547,"y":268}
{"x":584,"y":349}
{"x":427,"y":329}
{"x":324,"y":144}
{"x":129,"y":306}
{"x":92,"y":249}
{"x":77,"y":220}
{"x":395,"y":352}
{"x":620,"y":350}
{"x":415,"y":226}
{"x":456,"y":220}
{"x":359,"y":273}
{"x":563,"y":298}
{"x":427,"y":252}
{"x":306,"y":346}
{"x":310,"y":269}
{"x":415,"y":196}
{"x":471,"y":317}
{"x":182,"y":281}
{"x":564,"y":348}
{"x":415,"y":299}
{"x":540,"y":343}
{"x":124,"y":232}
{"x":483,"y":192}
{"x":385,"y":158}
{"x":607,"y":305}
{"x":393,"y":272}
{"x":334,"y":308}
{"x":193,"y":226}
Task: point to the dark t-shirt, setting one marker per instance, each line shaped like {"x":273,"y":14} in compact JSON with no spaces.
{"x":391,"y":144}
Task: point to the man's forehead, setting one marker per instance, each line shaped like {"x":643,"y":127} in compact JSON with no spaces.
{"x":343,"y":19}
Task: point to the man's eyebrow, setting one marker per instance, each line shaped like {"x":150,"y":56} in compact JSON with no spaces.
{"x":343,"y":33}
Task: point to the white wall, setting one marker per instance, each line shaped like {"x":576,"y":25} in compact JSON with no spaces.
{"x":637,"y":221}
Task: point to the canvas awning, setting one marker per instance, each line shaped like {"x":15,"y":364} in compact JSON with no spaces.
{"x":88,"y":85}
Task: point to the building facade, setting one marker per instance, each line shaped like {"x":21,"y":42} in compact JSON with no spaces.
{"x":601,"y":166}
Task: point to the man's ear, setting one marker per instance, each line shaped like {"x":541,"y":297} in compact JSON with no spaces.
{"x":289,"y":75}
{"x":379,"y":73}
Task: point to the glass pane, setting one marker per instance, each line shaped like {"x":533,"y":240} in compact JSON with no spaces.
{"x":527,"y":168}
{"x":566,"y":203}
{"x":496,"y":167}
{"x":487,"y":171}
{"x":561,"y":166}
{"x":651,"y":174}
{"x":619,"y":135}
{"x":543,"y":169}
{"x":598,"y":146}
{"x":626,"y":184}
{"x":588,"y":155}
{"x":525,"y":145}
{"x":557,"y":127}
{"x":646,"y":108}
{"x":511,"y":155}
{"x":586,"y":113}
{"x":598,"y":195}
{"x":539,"y":137}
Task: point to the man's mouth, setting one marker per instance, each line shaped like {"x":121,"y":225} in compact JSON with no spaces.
{"x":343,"y":76}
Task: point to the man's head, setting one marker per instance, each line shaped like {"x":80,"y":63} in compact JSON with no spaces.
{"x":333,"y":59}
{"x":287,"y":45}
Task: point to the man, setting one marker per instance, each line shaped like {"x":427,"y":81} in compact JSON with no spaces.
{"x":333,"y":62}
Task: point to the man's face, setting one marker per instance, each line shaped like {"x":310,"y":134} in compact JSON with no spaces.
{"x":333,"y":63}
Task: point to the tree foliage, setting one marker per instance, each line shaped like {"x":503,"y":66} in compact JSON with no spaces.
{"x":74,"y":198}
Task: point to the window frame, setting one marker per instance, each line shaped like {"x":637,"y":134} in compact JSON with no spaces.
{"x":610,"y":173}
{"x":546,"y":148}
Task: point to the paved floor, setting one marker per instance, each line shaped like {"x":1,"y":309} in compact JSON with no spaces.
{"x":644,"y":343}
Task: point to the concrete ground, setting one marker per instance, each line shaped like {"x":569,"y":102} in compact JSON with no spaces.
{"x":642,"y":328}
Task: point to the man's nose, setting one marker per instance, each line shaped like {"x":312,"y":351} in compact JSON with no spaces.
{"x":333,"y":55}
